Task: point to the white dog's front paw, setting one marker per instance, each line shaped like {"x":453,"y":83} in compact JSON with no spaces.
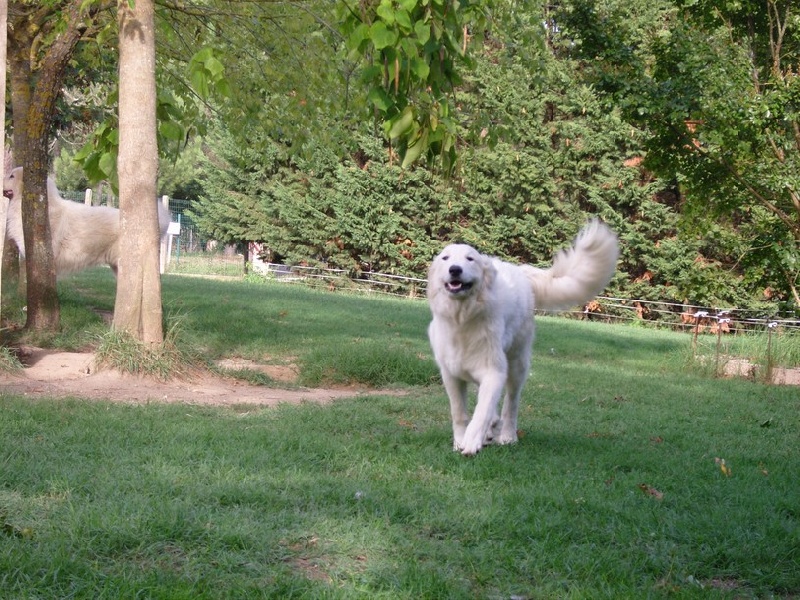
{"x":471,"y":446}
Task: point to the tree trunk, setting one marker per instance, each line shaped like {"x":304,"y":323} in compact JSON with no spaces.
{"x":138,"y":308}
{"x":4,"y":207}
{"x":43,"y":310}
{"x":34,"y":92}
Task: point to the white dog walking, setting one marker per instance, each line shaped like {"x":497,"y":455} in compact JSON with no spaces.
{"x":482,"y":328}
{"x":83,"y":236}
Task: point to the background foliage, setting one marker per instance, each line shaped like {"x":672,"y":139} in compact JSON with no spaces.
{"x":675,"y":122}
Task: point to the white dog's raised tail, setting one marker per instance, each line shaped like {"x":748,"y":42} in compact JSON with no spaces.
{"x":579,"y":273}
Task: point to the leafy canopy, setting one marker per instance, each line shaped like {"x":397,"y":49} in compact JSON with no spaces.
{"x":412,"y":50}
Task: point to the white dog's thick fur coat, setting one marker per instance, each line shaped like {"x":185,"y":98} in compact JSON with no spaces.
{"x":482,"y":328}
{"x":83,"y":236}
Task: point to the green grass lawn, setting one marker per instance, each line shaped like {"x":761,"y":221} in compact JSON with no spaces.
{"x":615,"y":490}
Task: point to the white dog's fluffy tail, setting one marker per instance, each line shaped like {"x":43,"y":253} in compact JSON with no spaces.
{"x":578,"y":273}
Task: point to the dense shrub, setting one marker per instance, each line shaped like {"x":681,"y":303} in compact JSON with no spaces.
{"x":541,"y":153}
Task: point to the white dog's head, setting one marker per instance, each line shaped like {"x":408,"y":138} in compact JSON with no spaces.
{"x":459,"y":271}
{"x":12,"y":184}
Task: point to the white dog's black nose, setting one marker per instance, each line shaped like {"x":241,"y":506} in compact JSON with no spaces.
{"x":455,"y":271}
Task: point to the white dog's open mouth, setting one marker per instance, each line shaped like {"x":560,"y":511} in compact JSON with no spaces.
{"x":456,"y":286}
{"x":8,"y":194}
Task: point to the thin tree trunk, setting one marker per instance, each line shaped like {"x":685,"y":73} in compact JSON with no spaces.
{"x":3,"y":52}
{"x":138,"y":308}
{"x":34,"y":93}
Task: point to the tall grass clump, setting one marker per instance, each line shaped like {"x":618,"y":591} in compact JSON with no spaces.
{"x":121,"y":351}
{"x":9,"y":363}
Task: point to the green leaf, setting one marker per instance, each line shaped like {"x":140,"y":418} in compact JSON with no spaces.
{"x":202,"y":55}
{"x":403,"y":19}
{"x":372,"y":73}
{"x":402,"y":124}
{"x":82,"y":154}
{"x":423,"y":32}
{"x":223,"y":88}
{"x":214,"y":66}
{"x":420,"y":68}
{"x":358,"y":36}
{"x":381,"y":36}
{"x":415,"y":150}
{"x":380,"y":99}
{"x":108,"y":164}
{"x":91,"y":168}
{"x":410,"y":46}
{"x":199,"y":80}
{"x":386,"y":13}
{"x":171,"y":130}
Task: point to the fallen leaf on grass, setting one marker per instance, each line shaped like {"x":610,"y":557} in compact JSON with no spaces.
{"x":651,"y":491}
{"x":726,"y":470}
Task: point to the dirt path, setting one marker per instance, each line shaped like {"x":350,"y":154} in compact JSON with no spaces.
{"x":55,"y":374}
{"x":50,"y":373}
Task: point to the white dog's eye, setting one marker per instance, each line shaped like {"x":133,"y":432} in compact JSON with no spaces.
{"x":446,"y":257}
{"x":470,"y":259}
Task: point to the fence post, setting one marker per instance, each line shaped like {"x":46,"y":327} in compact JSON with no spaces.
{"x":770,"y":327}
{"x":697,"y":316}
{"x":87,"y":197}
{"x":166,"y":241}
{"x":720,"y":323}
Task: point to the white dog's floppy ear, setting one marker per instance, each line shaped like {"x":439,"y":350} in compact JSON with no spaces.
{"x":488,"y":271}
{"x":433,"y":270}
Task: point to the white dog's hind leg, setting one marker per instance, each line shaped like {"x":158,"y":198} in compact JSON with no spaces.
{"x":508,"y":429}
{"x":457,"y":392}
{"x":485,"y":414}
{"x":517,"y":374}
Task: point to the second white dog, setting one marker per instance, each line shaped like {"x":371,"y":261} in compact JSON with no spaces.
{"x":482,"y":328}
{"x":83,"y":236}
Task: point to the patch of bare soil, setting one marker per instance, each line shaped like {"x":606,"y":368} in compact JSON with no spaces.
{"x":56,"y":374}
{"x":741,"y":367}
